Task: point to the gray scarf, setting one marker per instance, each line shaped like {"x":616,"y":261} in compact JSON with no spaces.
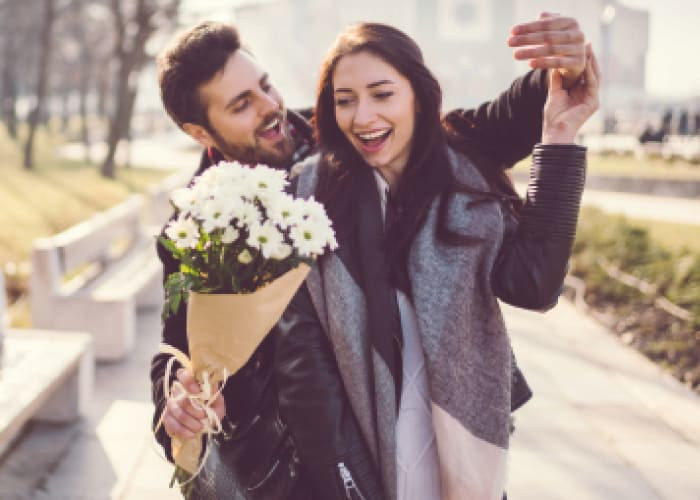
{"x":466,"y":347}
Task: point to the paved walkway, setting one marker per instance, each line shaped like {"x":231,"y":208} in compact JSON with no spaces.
{"x":605,"y":423}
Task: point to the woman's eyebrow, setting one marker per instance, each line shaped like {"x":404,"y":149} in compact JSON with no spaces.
{"x":378,"y":83}
{"x":369,"y":86}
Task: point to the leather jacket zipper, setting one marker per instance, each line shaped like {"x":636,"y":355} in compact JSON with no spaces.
{"x":352,"y":491}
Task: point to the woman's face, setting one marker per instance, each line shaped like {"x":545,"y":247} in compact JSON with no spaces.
{"x":375,"y":110}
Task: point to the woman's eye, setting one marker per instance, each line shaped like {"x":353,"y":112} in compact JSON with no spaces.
{"x":383,"y":95}
{"x":267,"y":87}
{"x":342,"y":102}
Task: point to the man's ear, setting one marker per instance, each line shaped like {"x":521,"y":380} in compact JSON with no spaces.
{"x":199,"y":134}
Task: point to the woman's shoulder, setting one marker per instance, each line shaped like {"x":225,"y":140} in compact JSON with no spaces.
{"x":467,"y":167}
{"x":304,"y":175}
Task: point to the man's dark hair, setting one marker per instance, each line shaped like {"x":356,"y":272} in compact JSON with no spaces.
{"x":194,"y":58}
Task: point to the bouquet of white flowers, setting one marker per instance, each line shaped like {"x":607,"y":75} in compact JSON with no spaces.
{"x":244,"y":247}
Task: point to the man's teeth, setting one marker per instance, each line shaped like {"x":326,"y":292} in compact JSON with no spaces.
{"x":271,"y":125}
{"x":372,"y":135}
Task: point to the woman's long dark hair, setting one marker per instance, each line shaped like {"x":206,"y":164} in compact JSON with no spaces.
{"x":427,"y":174}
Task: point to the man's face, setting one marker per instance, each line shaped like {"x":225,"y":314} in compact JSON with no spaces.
{"x":246,"y":115}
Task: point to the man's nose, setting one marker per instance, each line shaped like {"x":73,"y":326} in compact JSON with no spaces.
{"x":268,"y":104}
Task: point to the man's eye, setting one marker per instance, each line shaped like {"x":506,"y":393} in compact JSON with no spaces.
{"x":242,"y":106}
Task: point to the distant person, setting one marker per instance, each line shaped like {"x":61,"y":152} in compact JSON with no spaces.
{"x":217,"y":93}
{"x":666,"y":121}
{"x":683,"y":123}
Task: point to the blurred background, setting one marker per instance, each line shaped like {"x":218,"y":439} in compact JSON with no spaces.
{"x":83,"y":134}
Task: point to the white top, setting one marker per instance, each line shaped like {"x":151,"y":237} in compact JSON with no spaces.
{"x":417,"y":463}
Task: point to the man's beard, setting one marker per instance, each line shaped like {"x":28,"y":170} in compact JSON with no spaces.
{"x":280,"y":155}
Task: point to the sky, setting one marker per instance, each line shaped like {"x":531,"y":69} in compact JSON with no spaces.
{"x":673,"y":62}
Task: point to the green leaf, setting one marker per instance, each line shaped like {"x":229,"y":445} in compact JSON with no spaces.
{"x":170,"y":246}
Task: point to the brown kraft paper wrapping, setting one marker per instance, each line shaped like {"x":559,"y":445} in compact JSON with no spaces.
{"x":223,"y":331}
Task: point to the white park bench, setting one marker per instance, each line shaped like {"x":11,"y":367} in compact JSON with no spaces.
{"x":94,"y":275}
{"x":43,"y":376}
{"x":159,"y":207}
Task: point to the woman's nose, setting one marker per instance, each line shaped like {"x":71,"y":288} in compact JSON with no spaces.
{"x":364,"y":113}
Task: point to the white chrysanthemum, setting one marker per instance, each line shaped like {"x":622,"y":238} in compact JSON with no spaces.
{"x":184,"y":232}
{"x":215,"y":214}
{"x":265,"y":237}
{"x":309,"y":237}
{"x":314,"y":211}
{"x":221,"y":174}
{"x":183,"y":199}
{"x":265,"y":182}
{"x":229,"y":235}
{"x":282,"y":251}
{"x":246,"y":214}
{"x":284,"y":210}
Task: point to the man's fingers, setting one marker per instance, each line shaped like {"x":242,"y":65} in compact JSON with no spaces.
{"x":175,"y":429}
{"x":548,"y":50}
{"x":183,"y":417}
{"x":555,"y":62}
{"x":553,"y":23}
{"x":190,"y":383}
{"x":547,"y":37}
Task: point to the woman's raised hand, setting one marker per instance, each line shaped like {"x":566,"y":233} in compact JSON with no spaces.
{"x":565,"y":111}
{"x":551,"y":42}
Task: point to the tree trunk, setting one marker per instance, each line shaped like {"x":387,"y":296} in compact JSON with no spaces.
{"x":8,"y":99}
{"x":84,"y":126}
{"x":130,"y":63}
{"x":42,"y":76}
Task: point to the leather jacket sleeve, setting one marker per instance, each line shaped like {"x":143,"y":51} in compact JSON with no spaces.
{"x":533,"y":260}
{"x":174,"y":334}
{"x":314,"y":405}
{"x":507,"y":127}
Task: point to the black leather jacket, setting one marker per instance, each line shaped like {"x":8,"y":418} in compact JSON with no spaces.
{"x":256,"y":443}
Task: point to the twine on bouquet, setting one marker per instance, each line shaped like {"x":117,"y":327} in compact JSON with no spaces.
{"x":202,"y":400}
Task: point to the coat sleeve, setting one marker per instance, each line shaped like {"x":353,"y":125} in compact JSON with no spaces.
{"x":533,"y":261}
{"x":508,"y":127}
{"x":314,"y":405}
{"x":174,"y":333}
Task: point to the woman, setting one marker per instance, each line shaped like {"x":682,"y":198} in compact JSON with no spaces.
{"x":411,"y":397}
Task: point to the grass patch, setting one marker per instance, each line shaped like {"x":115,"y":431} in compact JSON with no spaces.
{"x":629,"y":166}
{"x":666,"y":258}
{"x":56,"y":195}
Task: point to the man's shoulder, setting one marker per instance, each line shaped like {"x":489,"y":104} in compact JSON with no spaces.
{"x":304,"y":175}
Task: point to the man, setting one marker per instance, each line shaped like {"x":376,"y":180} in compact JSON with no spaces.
{"x":217,"y":93}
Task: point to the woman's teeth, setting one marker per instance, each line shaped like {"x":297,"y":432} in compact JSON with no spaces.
{"x":374,"y":137}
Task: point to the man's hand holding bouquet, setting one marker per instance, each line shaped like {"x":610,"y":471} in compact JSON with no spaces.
{"x":245,"y":247}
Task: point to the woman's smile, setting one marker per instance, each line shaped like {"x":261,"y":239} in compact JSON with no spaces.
{"x":372,"y":142}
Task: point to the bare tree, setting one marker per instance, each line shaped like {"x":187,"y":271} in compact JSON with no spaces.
{"x":84,"y":49}
{"x":8,"y":98}
{"x":47,"y":24}
{"x":132,"y":33}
